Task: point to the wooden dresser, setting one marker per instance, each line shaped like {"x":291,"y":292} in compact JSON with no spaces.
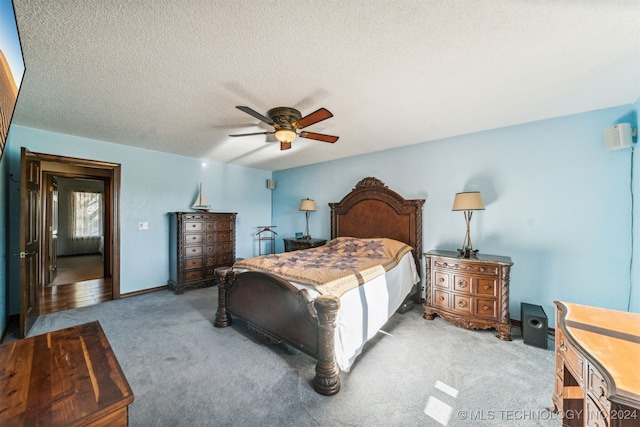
{"x":297,"y":244}
{"x":199,"y":242}
{"x":597,"y":376}
{"x":469,"y":292}
{"x":69,"y":377}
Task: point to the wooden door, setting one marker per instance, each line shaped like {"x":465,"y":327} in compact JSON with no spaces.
{"x":51,"y":230}
{"x":30,"y":214}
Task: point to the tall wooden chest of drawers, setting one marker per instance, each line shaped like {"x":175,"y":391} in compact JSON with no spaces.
{"x":469,"y":292}
{"x":199,"y":242}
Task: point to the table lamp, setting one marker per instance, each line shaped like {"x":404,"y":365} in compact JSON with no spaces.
{"x":468,"y":202}
{"x":307,"y":205}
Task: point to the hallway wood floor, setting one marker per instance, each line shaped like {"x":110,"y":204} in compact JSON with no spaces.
{"x":73,"y":295}
{"x":63,"y":297}
{"x":78,"y":283}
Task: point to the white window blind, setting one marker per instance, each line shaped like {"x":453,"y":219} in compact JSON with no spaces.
{"x":86,"y":214}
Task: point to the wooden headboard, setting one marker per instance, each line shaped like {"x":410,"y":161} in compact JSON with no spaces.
{"x":371,"y":209}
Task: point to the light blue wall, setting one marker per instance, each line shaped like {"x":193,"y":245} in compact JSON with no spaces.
{"x":556,"y":201}
{"x":152,"y":184}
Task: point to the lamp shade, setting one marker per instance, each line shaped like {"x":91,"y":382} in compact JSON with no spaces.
{"x":468,"y":201}
{"x":307,"y":205}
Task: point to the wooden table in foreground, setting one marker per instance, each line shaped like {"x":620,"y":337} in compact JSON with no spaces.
{"x":597,"y":366}
{"x":69,"y":377}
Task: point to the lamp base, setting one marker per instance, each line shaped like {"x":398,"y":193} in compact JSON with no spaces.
{"x":468,"y":252}
{"x":306,"y":237}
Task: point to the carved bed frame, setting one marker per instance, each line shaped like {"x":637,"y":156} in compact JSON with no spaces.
{"x":278,"y":312}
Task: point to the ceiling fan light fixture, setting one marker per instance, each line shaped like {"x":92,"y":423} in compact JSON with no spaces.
{"x":287,"y":121}
{"x":285,"y":135}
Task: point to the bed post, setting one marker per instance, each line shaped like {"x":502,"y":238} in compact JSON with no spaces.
{"x":327,"y":379}
{"x":223,"y":276}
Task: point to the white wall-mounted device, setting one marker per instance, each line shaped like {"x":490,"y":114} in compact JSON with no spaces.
{"x":618,"y":136}
{"x":271,"y":184}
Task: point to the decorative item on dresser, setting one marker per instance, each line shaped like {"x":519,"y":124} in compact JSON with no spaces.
{"x":201,"y":203}
{"x":597,"y":380}
{"x":298,"y":244}
{"x":199,"y":242}
{"x":471,"y":293}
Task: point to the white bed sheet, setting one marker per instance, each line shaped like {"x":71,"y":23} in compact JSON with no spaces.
{"x":365,"y":309}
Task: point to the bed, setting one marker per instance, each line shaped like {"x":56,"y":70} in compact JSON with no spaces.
{"x":289,"y":311}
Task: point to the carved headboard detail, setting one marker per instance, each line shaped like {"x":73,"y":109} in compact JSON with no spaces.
{"x":371,"y":209}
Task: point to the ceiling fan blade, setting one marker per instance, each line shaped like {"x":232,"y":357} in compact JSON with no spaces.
{"x":255,"y":114}
{"x":315,"y":117}
{"x":319,"y":136}
{"x":254,"y":133}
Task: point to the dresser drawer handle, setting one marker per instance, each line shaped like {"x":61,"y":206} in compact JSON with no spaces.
{"x":193,"y":225}
{"x":193,"y":250}
{"x":486,"y":287}
{"x":442,"y":279}
{"x":601,"y":392}
{"x":462,"y":284}
{"x":562,"y":346}
{"x":462,"y":303}
{"x":441,"y":298}
{"x":486,"y":307}
{"x":194,"y":237}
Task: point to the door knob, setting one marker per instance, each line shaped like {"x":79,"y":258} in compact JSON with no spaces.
{"x":24,"y":254}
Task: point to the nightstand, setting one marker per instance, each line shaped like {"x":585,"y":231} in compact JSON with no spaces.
{"x":469,"y":292}
{"x":293,"y":244}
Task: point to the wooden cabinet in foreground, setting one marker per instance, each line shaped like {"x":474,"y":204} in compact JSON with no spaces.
{"x":469,"y":292}
{"x":69,"y":377}
{"x":597,"y":375}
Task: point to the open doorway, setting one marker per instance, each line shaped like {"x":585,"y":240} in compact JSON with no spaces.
{"x":38,"y":174}
{"x":74,"y":267}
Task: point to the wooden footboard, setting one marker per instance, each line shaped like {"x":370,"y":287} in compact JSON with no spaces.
{"x":278,"y":312}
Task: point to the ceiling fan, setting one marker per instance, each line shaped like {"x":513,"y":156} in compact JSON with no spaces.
{"x":287,"y":121}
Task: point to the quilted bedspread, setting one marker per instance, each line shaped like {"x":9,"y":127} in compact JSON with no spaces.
{"x":333,"y":269}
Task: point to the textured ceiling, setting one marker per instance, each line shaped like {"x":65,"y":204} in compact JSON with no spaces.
{"x":167,"y":75}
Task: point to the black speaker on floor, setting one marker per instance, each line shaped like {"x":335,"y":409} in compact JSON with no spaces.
{"x":534,"y":325}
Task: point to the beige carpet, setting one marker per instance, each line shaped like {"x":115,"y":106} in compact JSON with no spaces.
{"x":73,"y":269}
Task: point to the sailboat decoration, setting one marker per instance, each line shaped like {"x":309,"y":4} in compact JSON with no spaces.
{"x":201,"y":203}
